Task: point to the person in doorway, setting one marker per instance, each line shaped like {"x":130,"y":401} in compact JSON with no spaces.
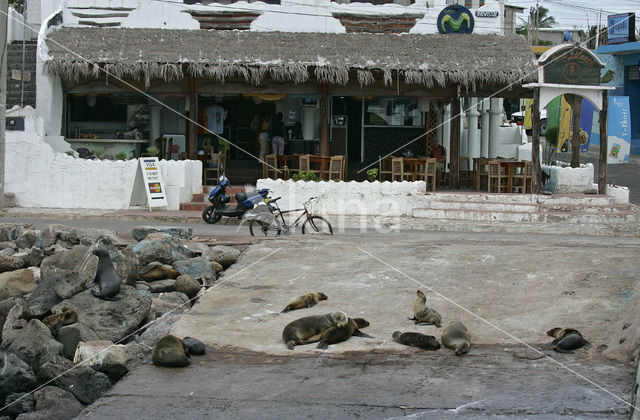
{"x":440,"y":153}
{"x":263,"y":136}
{"x":278,"y":133}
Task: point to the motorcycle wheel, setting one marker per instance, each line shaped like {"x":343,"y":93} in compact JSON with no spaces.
{"x":210,"y":216}
{"x":317,"y":225}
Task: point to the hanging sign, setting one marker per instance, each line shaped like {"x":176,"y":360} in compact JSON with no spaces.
{"x":150,"y":177}
{"x":621,"y":28}
{"x":572,"y":66}
{"x":455,"y":19}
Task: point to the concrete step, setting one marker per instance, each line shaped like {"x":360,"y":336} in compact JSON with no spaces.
{"x":200,"y":201}
{"x":484,"y":197}
{"x":526,"y":207}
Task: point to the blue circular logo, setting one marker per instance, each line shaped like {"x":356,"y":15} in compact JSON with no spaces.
{"x":455,"y":19}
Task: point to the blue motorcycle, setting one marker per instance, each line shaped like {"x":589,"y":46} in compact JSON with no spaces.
{"x":219,"y":199}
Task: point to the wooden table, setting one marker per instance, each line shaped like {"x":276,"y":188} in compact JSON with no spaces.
{"x":322,"y":160}
{"x":510,"y":165}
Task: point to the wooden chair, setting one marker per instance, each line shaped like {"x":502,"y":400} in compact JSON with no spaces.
{"x":269,"y":167}
{"x":336,"y":165}
{"x":384,"y":168}
{"x":161,"y":144}
{"x":521,"y":181}
{"x":430,"y":173}
{"x":498,"y":179}
{"x":214,"y":168}
{"x":480,"y":173}
{"x":397,"y":169}
{"x":465,"y":171}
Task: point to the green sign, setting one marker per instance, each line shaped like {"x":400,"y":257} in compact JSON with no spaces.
{"x":572,"y":66}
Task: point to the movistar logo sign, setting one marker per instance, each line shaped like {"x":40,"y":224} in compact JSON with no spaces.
{"x":455,"y":19}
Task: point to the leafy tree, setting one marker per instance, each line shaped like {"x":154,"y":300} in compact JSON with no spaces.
{"x":539,"y":17}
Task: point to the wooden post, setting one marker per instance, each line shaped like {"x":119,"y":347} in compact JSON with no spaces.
{"x":602,"y":162}
{"x":575,"y":138}
{"x":192,"y":143}
{"x":454,"y":141}
{"x":324,"y":122}
{"x":536,"y":176}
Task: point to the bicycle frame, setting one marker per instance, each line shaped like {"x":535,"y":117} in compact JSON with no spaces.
{"x":304,"y":210}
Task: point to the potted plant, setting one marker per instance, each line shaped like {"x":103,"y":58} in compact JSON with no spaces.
{"x":153,"y":151}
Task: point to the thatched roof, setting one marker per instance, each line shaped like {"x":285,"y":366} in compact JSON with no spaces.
{"x":429,"y":60}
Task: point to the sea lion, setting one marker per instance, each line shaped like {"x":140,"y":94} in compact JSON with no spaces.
{"x":157,"y":271}
{"x":414,"y":339}
{"x":310,"y":328}
{"x":567,"y":339}
{"x":194,"y":346}
{"x":424,"y":314}
{"x":170,"y":351}
{"x":305,"y":301}
{"x":335,"y":335}
{"x":68,"y":316}
{"x":456,"y":337}
{"x":106,"y":277}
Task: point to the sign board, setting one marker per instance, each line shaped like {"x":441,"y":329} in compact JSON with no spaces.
{"x":455,"y":19}
{"x":572,"y":66}
{"x":149,"y":178}
{"x":487,"y":13}
{"x":621,"y":28}
{"x":618,"y":130}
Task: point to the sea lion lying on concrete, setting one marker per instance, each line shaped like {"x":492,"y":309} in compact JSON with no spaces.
{"x":305,"y":301}
{"x":424,"y":314}
{"x":567,"y":339}
{"x":335,"y":335}
{"x":157,"y":271}
{"x":414,"y":339}
{"x":106,"y":277}
{"x":170,"y":351}
{"x":194,"y":346}
{"x":310,"y":328}
{"x":68,"y":316}
{"x":456,"y":337}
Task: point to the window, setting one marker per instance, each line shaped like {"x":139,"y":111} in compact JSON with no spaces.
{"x":393,"y":111}
{"x":96,"y":108}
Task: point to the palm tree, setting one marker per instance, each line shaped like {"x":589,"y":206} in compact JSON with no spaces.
{"x":539,"y":17}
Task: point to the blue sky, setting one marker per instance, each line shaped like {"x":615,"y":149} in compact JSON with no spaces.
{"x":569,"y":13}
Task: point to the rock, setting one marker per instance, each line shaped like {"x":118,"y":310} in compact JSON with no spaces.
{"x":114,"y":360}
{"x":68,"y":260}
{"x":160,"y":247}
{"x":8,"y":245}
{"x":18,"y":403}
{"x":68,"y":236}
{"x":197,"y":247}
{"x":27,"y":238}
{"x":56,"y":284}
{"x":32,"y":258}
{"x":15,"y":375}
{"x":53,"y":403}
{"x":10,"y":263}
{"x":32,"y":344}
{"x":141,"y":232}
{"x":14,"y":319}
{"x":126,"y":267}
{"x":16,"y":283}
{"x":187,"y":285}
{"x":54,"y":249}
{"x":225,"y":255}
{"x":12,"y":231}
{"x":7,"y":251}
{"x":217,"y":267}
{"x":160,"y":286}
{"x":71,"y":335}
{"x":173,"y":302}
{"x":199,"y":268}
{"x":5,"y":307}
{"x":158,"y":329}
{"x":143,"y":285}
{"x":83,"y":382}
{"x":110,"y":320}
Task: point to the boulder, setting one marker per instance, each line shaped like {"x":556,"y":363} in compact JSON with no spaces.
{"x":110,"y":320}
{"x":197,"y":247}
{"x":71,"y":335}
{"x":173,"y":302}
{"x":18,"y":403}
{"x":158,"y":329}
{"x":56,"y":284}
{"x":8,"y":245}
{"x":70,"y":259}
{"x":143,"y":285}
{"x":114,"y":360}
{"x":32,"y":344}
{"x":7,"y":251}
{"x":160,"y":286}
{"x":199,"y":268}
{"x":32,"y":257}
{"x":14,"y":320}
{"x":5,"y":307}
{"x":140,"y":233}
{"x":53,"y":403}
{"x":15,"y":375}
{"x":160,"y":247}
{"x":27,"y":238}
{"x":187,"y":285}
{"x":68,"y":236}
{"x":16,"y":283}
{"x":10,"y":263}
{"x":126,"y":267}
{"x":83,"y":382}
{"x":225,"y":255}
{"x":12,"y":231}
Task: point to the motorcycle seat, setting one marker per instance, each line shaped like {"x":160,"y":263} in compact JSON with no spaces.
{"x":240,"y":197}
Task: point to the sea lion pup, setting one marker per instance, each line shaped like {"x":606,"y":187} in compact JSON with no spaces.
{"x":414,"y":339}
{"x":194,"y":346}
{"x":157,"y":271}
{"x":310,"y":328}
{"x":567,"y":339}
{"x":170,"y":351}
{"x":305,"y":301}
{"x":335,"y":335}
{"x":456,"y":337}
{"x":106,"y":277}
{"x":423,"y":314}
{"x":68,"y":316}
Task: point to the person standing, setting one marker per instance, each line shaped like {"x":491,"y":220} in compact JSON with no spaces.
{"x":263,"y":137}
{"x":278,"y":135}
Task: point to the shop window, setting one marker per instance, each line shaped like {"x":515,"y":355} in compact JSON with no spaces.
{"x":468,"y":4}
{"x":393,"y":111}
{"x":96,"y":108}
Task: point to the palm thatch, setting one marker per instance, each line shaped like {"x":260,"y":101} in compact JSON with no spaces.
{"x":429,"y":60}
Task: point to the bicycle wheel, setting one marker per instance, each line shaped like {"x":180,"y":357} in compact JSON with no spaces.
{"x":257,"y":228}
{"x":317,"y":225}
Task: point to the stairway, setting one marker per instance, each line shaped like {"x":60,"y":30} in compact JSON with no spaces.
{"x":569,"y":208}
{"x":15,"y":86}
{"x":200,"y":201}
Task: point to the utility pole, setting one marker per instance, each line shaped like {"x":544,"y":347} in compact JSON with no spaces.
{"x":4,"y":8}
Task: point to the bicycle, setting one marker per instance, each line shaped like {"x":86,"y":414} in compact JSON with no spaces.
{"x":279,"y":227}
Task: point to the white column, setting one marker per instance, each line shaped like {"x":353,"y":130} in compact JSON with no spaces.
{"x":473,"y":134}
{"x":155,"y":119}
{"x":446,"y":128}
{"x":484,"y":133}
{"x":495,"y":119}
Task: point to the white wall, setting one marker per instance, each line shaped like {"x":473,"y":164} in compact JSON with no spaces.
{"x":564,"y":180}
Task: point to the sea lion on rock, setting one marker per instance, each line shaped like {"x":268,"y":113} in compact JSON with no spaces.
{"x":157,"y":271}
{"x":194,"y":346}
{"x":456,"y":337}
{"x":310,"y":328}
{"x":414,"y":339}
{"x":424,"y":314}
{"x":567,"y":339}
{"x":335,"y":335}
{"x":170,"y":351}
{"x":106,"y":277}
{"x":305,"y":301}
{"x":68,"y":316}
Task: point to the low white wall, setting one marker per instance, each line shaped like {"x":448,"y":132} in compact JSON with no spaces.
{"x":619,"y":193}
{"x":37,"y":176}
{"x":564,"y":180}
{"x":348,"y":198}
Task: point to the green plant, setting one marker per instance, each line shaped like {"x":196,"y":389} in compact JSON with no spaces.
{"x":121,"y":156}
{"x":71,"y":153}
{"x":98,"y":151}
{"x":544,"y":43}
{"x":372,"y":174}
{"x":551,"y":137}
{"x":305,"y":176}
{"x":153,"y":151}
